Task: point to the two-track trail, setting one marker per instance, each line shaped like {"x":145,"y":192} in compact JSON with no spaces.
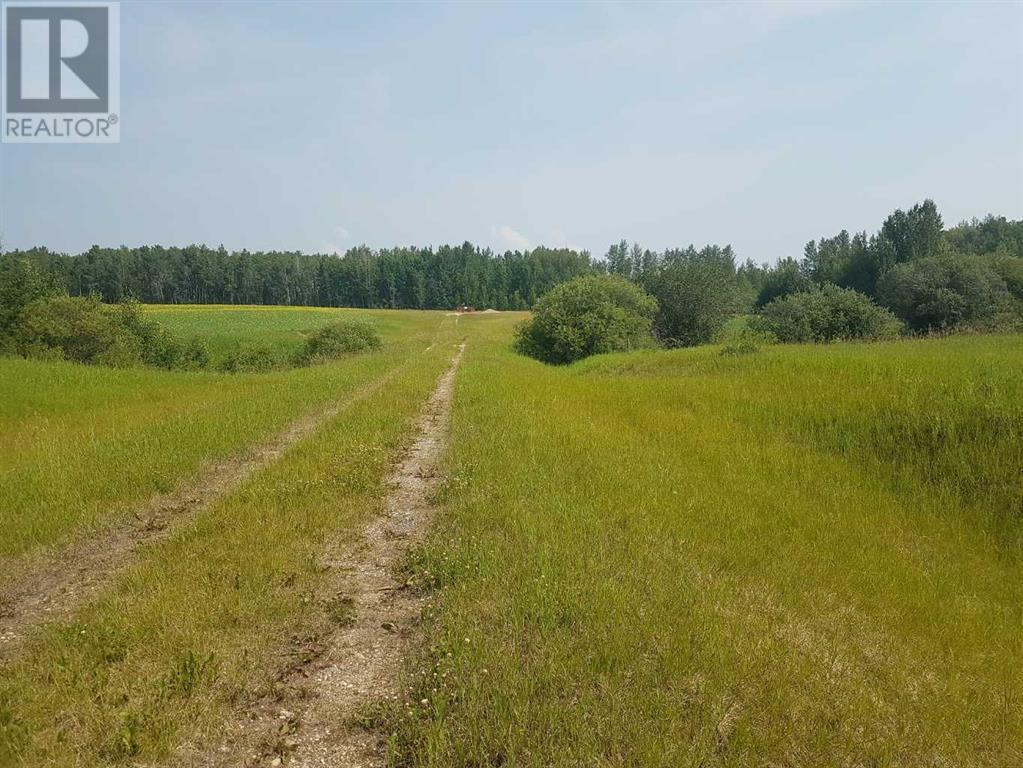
{"x":312,"y":719}
{"x":52,"y":586}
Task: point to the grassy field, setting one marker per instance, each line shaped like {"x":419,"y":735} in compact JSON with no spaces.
{"x":807,"y":556}
{"x":204,"y":617}
{"x":82,"y":444}
{"x":810,"y":555}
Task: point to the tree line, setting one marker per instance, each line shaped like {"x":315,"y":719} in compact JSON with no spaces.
{"x":912,"y":275}
{"x":937,"y":277}
{"x":930,"y":277}
{"x":395,"y":278}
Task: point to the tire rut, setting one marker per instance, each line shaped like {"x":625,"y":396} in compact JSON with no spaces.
{"x":52,"y":586}
{"x":313,"y":723}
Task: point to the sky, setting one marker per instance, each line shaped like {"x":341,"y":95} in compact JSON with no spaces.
{"x":321,"y":126}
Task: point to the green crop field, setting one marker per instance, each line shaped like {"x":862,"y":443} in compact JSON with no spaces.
{"x":808,"y":555}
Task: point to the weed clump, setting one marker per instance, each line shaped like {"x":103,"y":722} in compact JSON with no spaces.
{"x":126,"y":741}
{"x":340,"y":610}
{"x":187,"y":672}
{"x":746,"y":342}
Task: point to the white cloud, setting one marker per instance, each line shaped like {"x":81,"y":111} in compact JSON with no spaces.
{"x":510,"y":238}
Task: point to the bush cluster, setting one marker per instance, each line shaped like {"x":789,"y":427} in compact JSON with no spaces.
{"x":21,"y":283}
{"x":587,"y":316}
{"x":939,"y":293}
{"x":827,"y":313}
{"x":695,"y":297}
{"x":1010,"y":269}
{"x":332,"y":342}
{"x":969,"y":277}
{"x":84,"y":330}
{"x":254,"y":357}
{"x":786,"y":278}
{"x":38,"y":321}
{"x":595,"y":314}
{"x":338,"y":340}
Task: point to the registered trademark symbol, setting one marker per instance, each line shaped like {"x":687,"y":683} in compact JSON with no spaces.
{"x":112,"y":119}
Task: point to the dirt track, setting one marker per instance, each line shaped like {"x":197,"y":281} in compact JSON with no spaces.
{"x":52,"y":586}
{"x":310,"y":722}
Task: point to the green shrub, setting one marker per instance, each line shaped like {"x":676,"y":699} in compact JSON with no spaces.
{"x":195,"y":355}
{"x":21,"y":283}
{"x":84,"y":330}
{"x":942,"y":292}
{"x":746,"y":341}
{"x":828,"y":313}
{"x":783,"y":279}
{"x":253,"y":357}
{"x":1010,"y":269}
{"x":158,"y":347}
{"x":338,"y":340}
{"x":1000,"y":322}
{"x":586,"y":316}
{"x":696,"y":293}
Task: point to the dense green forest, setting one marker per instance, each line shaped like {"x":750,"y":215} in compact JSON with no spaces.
{"x":859,"y":261}
{"x":397,"y":278}
{"x":930,"y":277}
{"x":911,"y":276}
{"x":977,"y":260}
{"x":854,"y":261}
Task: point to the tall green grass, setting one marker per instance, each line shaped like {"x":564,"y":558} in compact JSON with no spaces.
{"x":207,"y":618}
{"x":802,"y":557}
{"x":82,"y":444}
{"x":946,"y":414}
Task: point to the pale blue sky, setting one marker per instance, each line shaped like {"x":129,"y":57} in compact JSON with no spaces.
{"x":318,"y":126}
